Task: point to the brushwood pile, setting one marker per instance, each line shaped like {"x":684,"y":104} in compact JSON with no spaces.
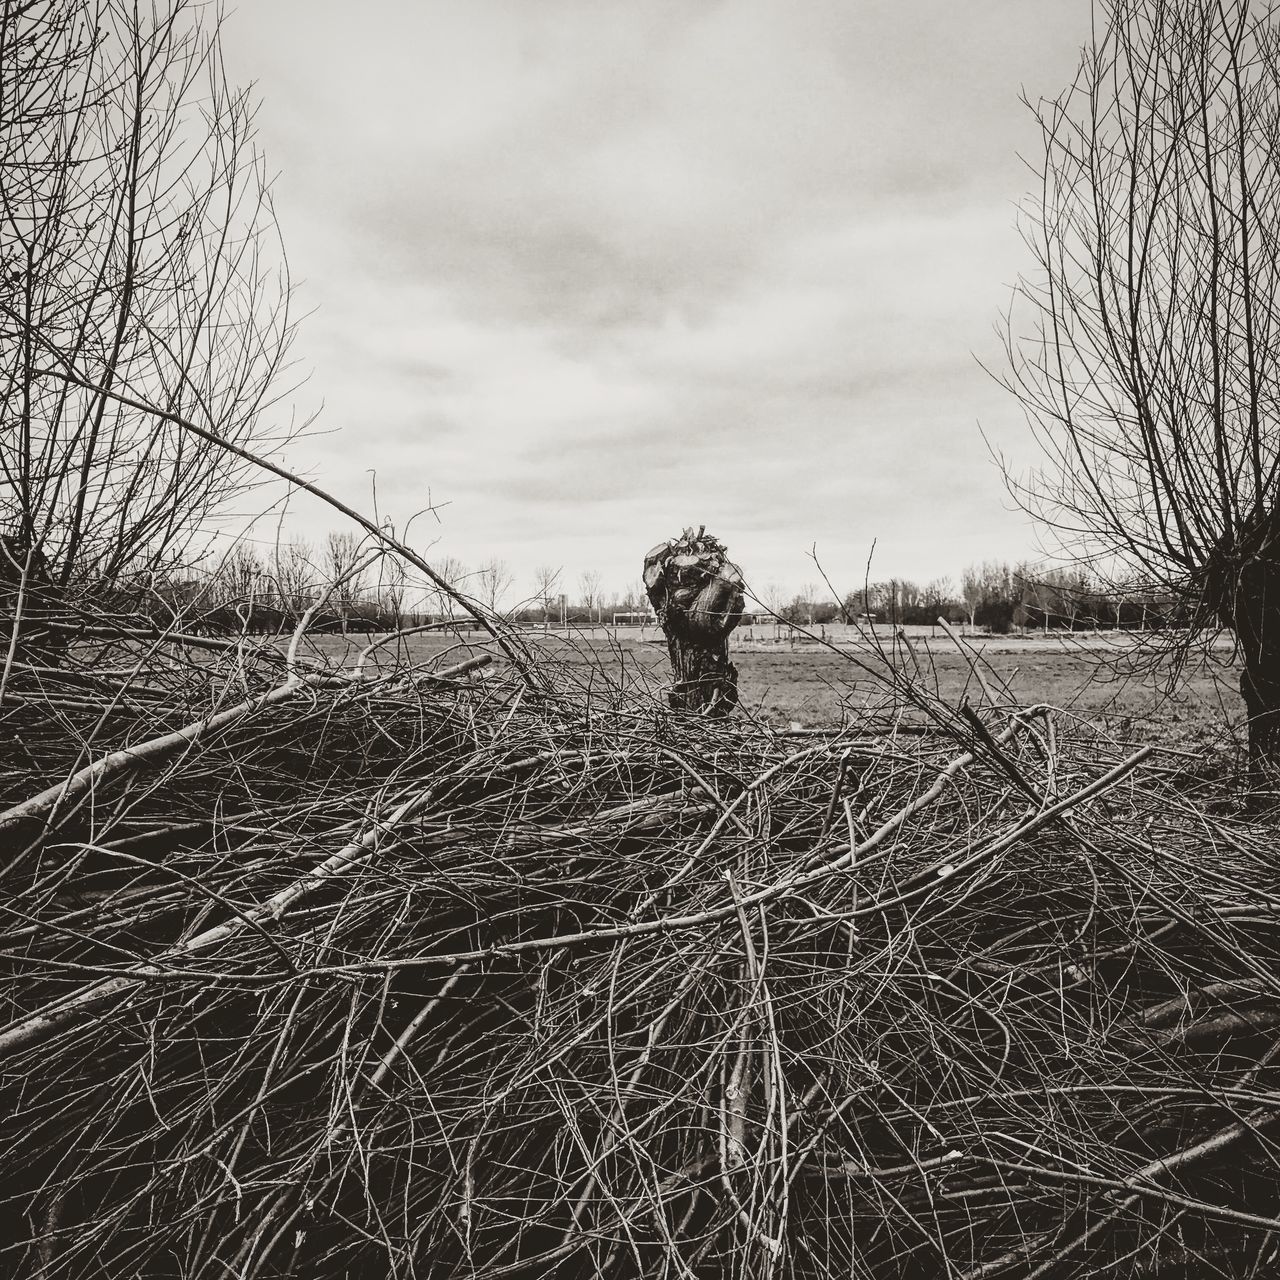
{"x":358,"y":966}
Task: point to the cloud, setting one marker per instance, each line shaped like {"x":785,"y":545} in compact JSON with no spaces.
{"x":591,"y":272}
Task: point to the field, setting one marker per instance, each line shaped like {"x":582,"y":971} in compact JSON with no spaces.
{"x":1135,"y":692}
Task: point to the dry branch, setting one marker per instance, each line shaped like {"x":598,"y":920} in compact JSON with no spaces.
{"x":408,"y":971}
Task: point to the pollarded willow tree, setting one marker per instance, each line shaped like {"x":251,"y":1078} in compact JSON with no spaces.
{"x":696,"y":592}
{"x":141,"y":281}
{"x":1149,"y":363}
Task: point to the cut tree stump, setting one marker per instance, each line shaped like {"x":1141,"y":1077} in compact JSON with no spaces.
{"x":697,"y":594}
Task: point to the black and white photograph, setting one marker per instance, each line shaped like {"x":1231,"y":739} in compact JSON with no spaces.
{"x":639,"y":639}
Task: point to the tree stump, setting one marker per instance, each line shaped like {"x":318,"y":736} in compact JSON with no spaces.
{"x":697,"y":595}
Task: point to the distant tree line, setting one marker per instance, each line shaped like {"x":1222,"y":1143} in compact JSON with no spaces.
{"x":998,"y":597}
{"x":992,"y":596}
{"x":265,"y":591}
{"x":349,"y":587}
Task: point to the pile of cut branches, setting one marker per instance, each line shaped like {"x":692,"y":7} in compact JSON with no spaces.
{"x":370,"y":967}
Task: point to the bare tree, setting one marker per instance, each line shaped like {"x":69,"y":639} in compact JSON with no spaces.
{"x":342,"y":554}
{"x":1037,"y":596}
{"x":493,"y":580}
{"x":879,"y":598}
{"x":241,"y":575}
{"x":971,"y":589}
{"x":589,"y":587}
{"x":991,"y":594}
{"x":295,"y":577}
{"x":1070,"y":587}
{"x":392,"y":588}
{"x":546,"y":581}
{"x":893,"y":598}
{"x":937,"y":596}
{"x":807,"y":600}
{"x":1149,"y":362}
{"x":141,"y":278}
{"x":774,"y":597}
{"x":451,"y":570}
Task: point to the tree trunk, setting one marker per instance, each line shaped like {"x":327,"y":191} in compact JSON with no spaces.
{"x":697,"y":595}
{"x":1244,"y":587}
{"x":29,"y":601}
{"x":1257,"y":628}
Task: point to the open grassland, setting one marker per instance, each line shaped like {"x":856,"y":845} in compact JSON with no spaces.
{"x":1135,"y":692}
{"x":1133,"y":698}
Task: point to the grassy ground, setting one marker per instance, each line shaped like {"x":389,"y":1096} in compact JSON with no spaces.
{"x":1133,"y":694}
{"x":1133,"y":699}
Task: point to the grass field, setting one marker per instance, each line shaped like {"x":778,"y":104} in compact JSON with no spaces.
{"x":1131,"y":692}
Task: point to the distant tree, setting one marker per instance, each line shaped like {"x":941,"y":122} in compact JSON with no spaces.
{"x":901,"y":601}
{"x":294,"y":577}
{"x":1073,"y":590}
{"x":878,"y":600}
{"x":493,"y":580}
{"x":342,"y":555}
{"x":774,"y":597}
{"x":854,"y":607}
{"x":242,"y":573}
{"x":634,"y":600}
{"x":894,"y":599}
{"x":589,"y":589}
{"x":454,"y":572}
{"x":991,"y":595}
{"x":1036,"y":600}
{"x":1132,"y":600}
{"x":971,"y":590}
{"x":937,"y":597}
{"x":546,"y":591}
{"x":391,"y":592}
{"x":796,"y":610}
{"x":999,"y":597}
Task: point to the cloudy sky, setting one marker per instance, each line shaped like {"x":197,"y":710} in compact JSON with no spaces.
{"x":582,"y":273}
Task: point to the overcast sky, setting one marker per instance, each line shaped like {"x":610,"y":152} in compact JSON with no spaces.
{"x":584,"y":273}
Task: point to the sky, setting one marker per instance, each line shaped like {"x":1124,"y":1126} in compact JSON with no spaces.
{"x":580,"y":274}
